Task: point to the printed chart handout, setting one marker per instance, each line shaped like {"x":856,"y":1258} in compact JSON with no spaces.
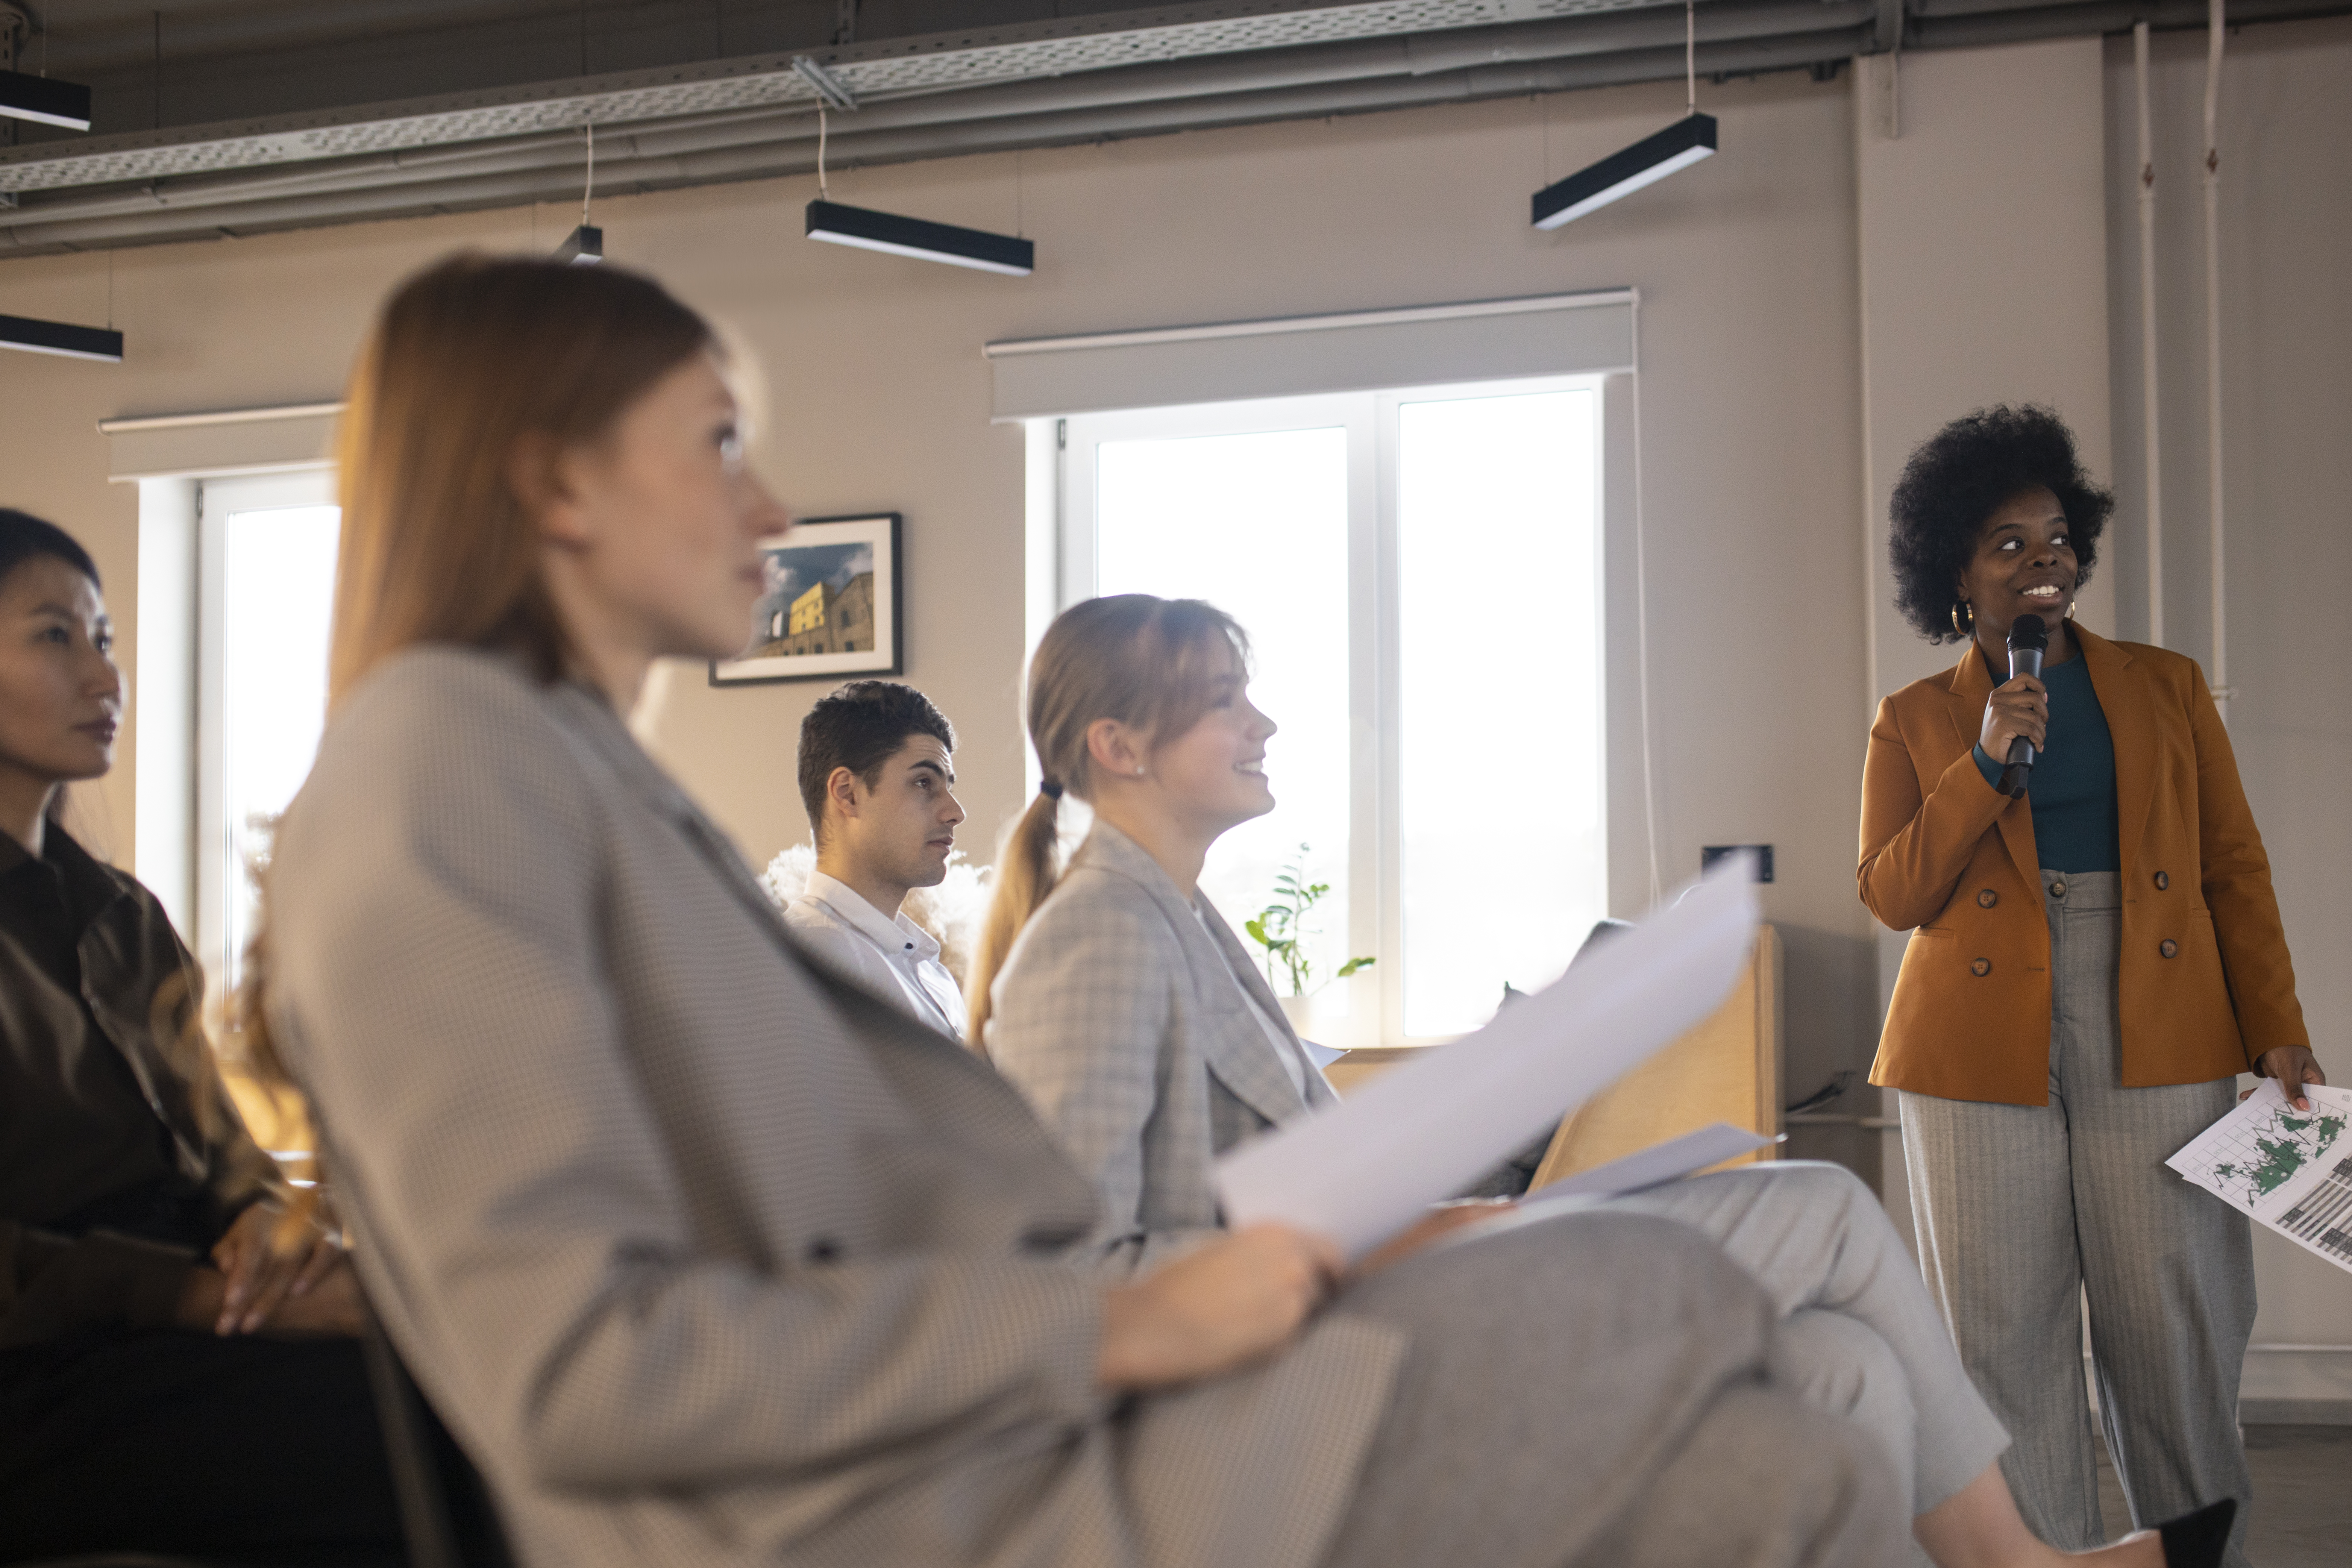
{"x":2291,"y":1169}
{"x":1423,"y":1132}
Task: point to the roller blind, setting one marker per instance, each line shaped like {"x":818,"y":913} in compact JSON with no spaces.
{"x":232,"y":441}
{"x":1551,"y":334}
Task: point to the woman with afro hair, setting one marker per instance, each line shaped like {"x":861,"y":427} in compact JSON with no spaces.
{"x":2092,"y":963}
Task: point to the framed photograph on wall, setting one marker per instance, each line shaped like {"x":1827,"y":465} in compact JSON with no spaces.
{"x":831,"y":605}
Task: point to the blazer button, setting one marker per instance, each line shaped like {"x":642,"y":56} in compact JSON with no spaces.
{"x":2162,"y":881}
{"x":824,"y":1249}
{"x":2167,"y":947}
{"x":1988,"y":898}
{"x":1981,"y":967}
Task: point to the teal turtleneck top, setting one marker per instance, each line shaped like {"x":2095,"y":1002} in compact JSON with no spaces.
{"x":2072,"y":790}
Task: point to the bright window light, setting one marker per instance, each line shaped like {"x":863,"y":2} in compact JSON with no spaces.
{"x":1503,"y":866}
{"x":278,"y":587}
{"x":1419,"y":572}
{"x":1256,"y":524}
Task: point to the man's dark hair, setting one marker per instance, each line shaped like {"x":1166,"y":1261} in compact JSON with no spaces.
{"x":1954,"y":483}
{"x":24,"y":537}
{"x":860,"y":726}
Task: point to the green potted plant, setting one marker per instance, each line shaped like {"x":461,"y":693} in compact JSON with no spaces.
{"x":1282,"y":927}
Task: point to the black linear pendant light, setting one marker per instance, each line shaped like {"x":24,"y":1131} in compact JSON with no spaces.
{"x":921,"y":238}
{"x":60,"y":338}
{"x":43,"y":100}
{"x":1645,"y":163}
{"x":891,"y":232}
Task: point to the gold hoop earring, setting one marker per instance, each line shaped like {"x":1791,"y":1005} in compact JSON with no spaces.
{"x":1960,"y":630}
{"x":2070,"y":611}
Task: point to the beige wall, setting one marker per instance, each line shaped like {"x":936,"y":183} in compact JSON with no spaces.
{"x":1747,"y":268}
{"x":2286,"y":323}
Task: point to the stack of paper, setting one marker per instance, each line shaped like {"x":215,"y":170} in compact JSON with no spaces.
{"x":1426,"y":1129}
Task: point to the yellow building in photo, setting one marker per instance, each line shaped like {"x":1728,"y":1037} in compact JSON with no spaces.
{"x":826,"y":619}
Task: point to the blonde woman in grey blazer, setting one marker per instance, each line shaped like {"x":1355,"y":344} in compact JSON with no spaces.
{"x":707,"y":1255}
{"x":1132,"y":1017}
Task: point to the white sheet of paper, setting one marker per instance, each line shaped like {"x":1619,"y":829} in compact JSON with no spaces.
{"x":1419,"y":1132}
{"x":2288,"y":1169}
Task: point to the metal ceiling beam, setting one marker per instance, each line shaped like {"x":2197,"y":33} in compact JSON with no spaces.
{"x":564,"y":152}
{"x":749,"y":138}
{"x":1973,"y":24}
{"x":861,"y":147}
{"x":885,"y":68}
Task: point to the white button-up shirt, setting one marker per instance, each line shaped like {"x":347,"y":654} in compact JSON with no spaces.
{"x":891,"y":954}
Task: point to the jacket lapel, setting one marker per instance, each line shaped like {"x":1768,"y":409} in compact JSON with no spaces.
{"x":1230,"y":1041}
{"x":2131,"y":728}
{"x":1319,"y":1095}
{"x":1971,"y":685}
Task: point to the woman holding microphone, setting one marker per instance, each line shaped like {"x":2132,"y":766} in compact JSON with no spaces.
{"x":2092,"y":966}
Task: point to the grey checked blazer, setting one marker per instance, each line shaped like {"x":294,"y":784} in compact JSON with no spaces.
{"x":1117,"y":1015}
{"x":706,"y":1255}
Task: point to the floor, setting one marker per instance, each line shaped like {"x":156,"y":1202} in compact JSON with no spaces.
{"x":2303,"y":1496}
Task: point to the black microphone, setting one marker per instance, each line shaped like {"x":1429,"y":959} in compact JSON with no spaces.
{"x":2027,"y":639}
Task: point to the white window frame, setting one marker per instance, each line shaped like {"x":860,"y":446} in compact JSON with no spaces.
{"x":218,"y":876}
{"x":1062,"y":569}
{"x":168,"y":456}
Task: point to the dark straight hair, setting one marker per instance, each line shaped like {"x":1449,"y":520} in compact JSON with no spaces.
{"x":860,"y":726}
{"x":24,"y":537}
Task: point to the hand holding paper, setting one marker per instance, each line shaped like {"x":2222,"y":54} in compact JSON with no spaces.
{"x":1419,"y":1132}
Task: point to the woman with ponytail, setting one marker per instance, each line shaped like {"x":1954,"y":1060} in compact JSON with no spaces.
{"x":1133,"y":1020}
{"x":1115,"y":995}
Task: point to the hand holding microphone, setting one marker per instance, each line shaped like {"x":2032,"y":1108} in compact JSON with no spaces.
{"x":2016,"y":717}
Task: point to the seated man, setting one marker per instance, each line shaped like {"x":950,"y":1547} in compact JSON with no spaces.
{"x":878,"y":778}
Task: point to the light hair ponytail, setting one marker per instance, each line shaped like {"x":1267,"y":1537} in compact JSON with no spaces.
{"x":1149,"y":663}
{"x":1026,"y":873}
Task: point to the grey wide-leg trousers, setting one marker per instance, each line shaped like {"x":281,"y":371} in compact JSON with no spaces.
{"x":1595,"y":1391}
{"x":2019,"y":1207}
{"x":1860,"y":1337}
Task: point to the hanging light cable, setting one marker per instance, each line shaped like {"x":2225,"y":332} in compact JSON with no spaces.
{"x":1645,"y":163}
{"x":585,"y":246}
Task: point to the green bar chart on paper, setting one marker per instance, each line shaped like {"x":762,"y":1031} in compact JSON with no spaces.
{"x":2289,"y":1169}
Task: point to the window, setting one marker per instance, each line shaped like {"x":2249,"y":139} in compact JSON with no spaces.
{"x":266,"y":572}
{"x":1419,"y":574}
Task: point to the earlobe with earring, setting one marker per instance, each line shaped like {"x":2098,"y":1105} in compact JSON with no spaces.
{"x":1972,"y":609}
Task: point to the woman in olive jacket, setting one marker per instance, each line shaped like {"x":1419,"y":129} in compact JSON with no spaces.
{"x":2093,"y":964}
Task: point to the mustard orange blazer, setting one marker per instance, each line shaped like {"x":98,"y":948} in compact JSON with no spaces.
{"x":2205,"y":984}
